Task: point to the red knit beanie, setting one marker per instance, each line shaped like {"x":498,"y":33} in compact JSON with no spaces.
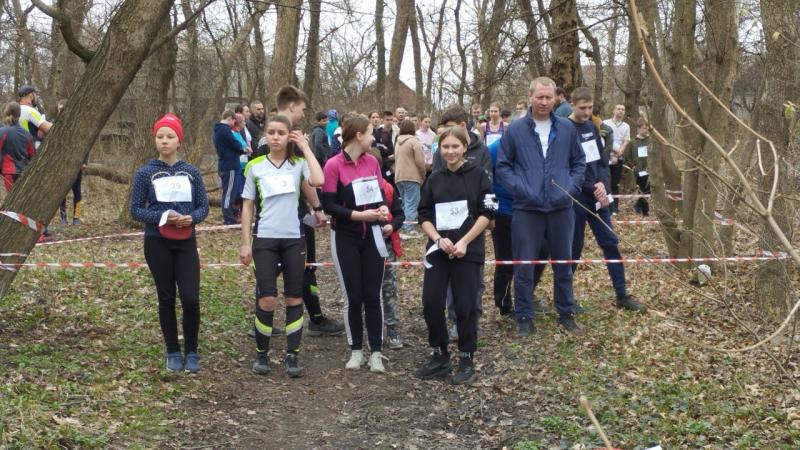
{"x":169,"y":120}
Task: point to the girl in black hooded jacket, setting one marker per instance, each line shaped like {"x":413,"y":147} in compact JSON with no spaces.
{"x":456,"y":206}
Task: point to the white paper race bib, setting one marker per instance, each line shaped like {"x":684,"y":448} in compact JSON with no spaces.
{"x":591,"y":151}
{"x":277,"y":185}
{"x":643,"y":173}
{"x":642,"y":151}
{"x":176,"y":188}
{"x":367,"y":191}
{"x":491,"y":138}
{"x":451,"y":215}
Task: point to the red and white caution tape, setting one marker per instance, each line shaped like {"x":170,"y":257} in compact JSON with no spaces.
{"x":25,"y":220}
{"x":764,"y":256}
{"x":133,"y":234}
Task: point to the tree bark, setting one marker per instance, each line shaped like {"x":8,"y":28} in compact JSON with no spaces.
{"x":597,"y":57}
{"x":611,"y":54}
{"x":259,"y":90}
{"x":418,"y":87}
{"x":634,"y":78}
{"x":46,"y":181}
{"x":380,"y":46}
{"x":284,"y":54}
{"x":462,"y":54}
{"x":194,"y":108}
{"x":431,"y":49}
{"x":311,"y":77}
{"x":566,"y":67}
{"x":31,"y":59}
{"x":535,"y":60}
{"x":66,"y":65}
{"x":489,"y":31}
{"x":773,"y":280}
{"x":405,"y":11}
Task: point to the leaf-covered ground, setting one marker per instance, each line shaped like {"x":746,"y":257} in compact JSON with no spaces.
{"x":81,"y":357}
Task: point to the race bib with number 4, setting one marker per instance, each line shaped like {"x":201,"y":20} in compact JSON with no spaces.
{"x":277,"y":185}
{"x":451,"y":215}
{"x":367,"y":191}
{"x":171,"y":189}
{"x":591,"y":151}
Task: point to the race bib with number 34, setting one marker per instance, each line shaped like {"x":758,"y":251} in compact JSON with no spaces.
{"x":367,"y":191}
{"x":176,"y":188}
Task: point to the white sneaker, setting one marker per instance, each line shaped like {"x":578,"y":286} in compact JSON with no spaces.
{"x":376,"y":362}
{"x":356,"y":360}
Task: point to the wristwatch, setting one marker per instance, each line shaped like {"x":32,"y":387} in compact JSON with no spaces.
{"x":317,"y":208}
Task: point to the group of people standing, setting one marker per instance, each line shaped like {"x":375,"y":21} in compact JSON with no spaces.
{"x":24,"y":131}
{"x":534,"y":181}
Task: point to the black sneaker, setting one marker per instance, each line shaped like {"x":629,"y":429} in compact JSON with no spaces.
{"x":524,"y":327}
{"x":438,"y":366}
{"x":261,"y":364}
{"x":630,"y":303}
{"x":569,"y":324}
{"x":326,"y":327}
{"x":293,"y":369}
{"x":466,"y":371}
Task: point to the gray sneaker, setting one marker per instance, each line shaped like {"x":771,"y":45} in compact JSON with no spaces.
{"x":293,"y":369}
{"x":524,"y":328}
{"x":394,"y":338}
{"x":192,"y":362}
{"x":174,"y":362}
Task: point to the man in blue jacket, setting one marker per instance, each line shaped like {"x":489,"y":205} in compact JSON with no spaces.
{"x":228,"y":152}
{"x":540,"y":161}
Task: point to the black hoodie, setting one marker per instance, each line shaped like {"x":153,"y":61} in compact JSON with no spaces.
{"x":469,"y":183}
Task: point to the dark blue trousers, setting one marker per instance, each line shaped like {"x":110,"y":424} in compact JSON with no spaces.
{"x":228,"y":180}
{"x":605,"y":237}
{"x":529,"y":229}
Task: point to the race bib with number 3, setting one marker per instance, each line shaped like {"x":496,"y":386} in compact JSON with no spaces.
{"x":451,"y":215}
{"x":176,"y":188}
{"x":277,"y":185}
{"x":591,"y":151}
{"x":367,"y":191}
{"x":642,"y":151}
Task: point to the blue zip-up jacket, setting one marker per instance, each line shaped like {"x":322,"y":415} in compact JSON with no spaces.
{"x":503,"y":197}
{"x":147,"y":209}
{"x":228,"y":148}
{"x":524,"y":172}
{"x":596,"y":171}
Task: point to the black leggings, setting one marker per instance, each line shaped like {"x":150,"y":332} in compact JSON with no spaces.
{"x":176,"y":262}
{"x":267,"y":253}
{"x":360,"y":270}
{"x":463,"y":277}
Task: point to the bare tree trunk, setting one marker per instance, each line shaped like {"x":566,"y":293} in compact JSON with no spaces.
{"x":489,"y":31}
{"x":159,"y":70}
{"x":566,"y":67}
{"x":635,"y":79}
{"x":420,"y":105}
{"x":661,"y":165}
{"x":611,"y":55}
{"x":535,"y":61}
{"x":462,"y":54}
{"x":31,"y":59}
{"x":773,"y":281}
{"x":431,"y":49}
{"x":259,"y":90}
{"x":46,"y":181}
{"x":285,"y":51}
{"x":311,"y":77}
{"x":65,"y":66}
{"x":380,"y":44}
{"x":194,"y":110}
{"x":405,"y":10}
{"x":597,"y":57}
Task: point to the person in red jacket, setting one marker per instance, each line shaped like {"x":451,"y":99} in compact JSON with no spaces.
{"x":17,"y":145}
